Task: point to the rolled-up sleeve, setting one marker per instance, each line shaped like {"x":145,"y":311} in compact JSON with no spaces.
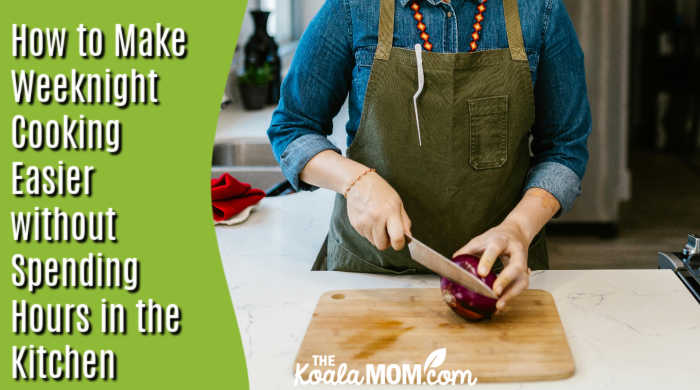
{"x":558,"y":180}
{"x":313,"y":91}
{"x":563,"y":116}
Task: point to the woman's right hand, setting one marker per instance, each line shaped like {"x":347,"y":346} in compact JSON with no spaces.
{"x":375,"y":209}
{"x":376,"y":212}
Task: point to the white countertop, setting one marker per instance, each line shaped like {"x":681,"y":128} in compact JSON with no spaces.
{"x":235,"y":123}
{"x":636,"y":329}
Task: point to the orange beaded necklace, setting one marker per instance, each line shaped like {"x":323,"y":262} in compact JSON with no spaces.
{"x":479,"y":17}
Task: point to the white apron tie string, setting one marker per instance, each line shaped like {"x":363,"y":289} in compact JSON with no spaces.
{"x":421,"y":83}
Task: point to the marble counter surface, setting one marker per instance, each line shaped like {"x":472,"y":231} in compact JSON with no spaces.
{"x":637,"y":329}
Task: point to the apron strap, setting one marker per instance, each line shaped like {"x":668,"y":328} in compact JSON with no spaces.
{"x":515,"y":31}
{"x":386,"y":29}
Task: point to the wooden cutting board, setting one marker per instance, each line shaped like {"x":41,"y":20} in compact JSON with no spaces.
{"x":526,"y":343}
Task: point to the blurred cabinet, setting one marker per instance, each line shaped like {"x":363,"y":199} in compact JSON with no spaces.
{"x":603,"y":28}
{"x":665,"y":113}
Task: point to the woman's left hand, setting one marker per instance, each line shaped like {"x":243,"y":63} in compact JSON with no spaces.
{"x":508,"y":242}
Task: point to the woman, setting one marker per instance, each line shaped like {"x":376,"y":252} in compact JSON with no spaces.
{"x":444,"y":97}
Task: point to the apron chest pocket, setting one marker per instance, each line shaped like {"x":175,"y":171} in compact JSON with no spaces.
{"x":488,"y":132}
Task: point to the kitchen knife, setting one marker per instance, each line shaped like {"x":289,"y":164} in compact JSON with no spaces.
{"x":443,"y":266}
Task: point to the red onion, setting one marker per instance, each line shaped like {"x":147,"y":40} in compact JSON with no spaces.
{"x":464,"y":302}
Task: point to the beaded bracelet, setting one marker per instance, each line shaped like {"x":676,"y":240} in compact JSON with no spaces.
{"x":368,"y":170}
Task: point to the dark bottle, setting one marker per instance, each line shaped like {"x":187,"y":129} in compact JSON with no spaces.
{"x":262,"y":49}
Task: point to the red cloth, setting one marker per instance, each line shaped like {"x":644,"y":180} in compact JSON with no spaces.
{"x":229,"y":196}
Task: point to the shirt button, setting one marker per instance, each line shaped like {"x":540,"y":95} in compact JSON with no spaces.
{"x":449,"y":14}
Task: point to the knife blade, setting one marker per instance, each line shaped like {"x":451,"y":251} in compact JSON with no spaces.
{"x":443,"y":266}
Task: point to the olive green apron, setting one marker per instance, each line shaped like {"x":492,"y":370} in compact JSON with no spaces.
{"x":461,"y":166}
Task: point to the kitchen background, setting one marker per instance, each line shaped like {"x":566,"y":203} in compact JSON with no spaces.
{"x":641,"y":193}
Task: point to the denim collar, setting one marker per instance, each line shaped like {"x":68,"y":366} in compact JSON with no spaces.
{"x":435,"y":2}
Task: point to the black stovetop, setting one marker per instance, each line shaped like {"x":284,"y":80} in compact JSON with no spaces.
{"x":686,"y":264}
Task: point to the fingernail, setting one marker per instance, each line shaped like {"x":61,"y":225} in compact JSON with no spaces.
{"x":500,"y":305}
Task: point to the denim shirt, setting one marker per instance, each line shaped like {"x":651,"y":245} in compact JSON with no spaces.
{"x":334,"y":59}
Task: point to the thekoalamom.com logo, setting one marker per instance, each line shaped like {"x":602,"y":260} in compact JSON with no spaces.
{"x":326,"y":372}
